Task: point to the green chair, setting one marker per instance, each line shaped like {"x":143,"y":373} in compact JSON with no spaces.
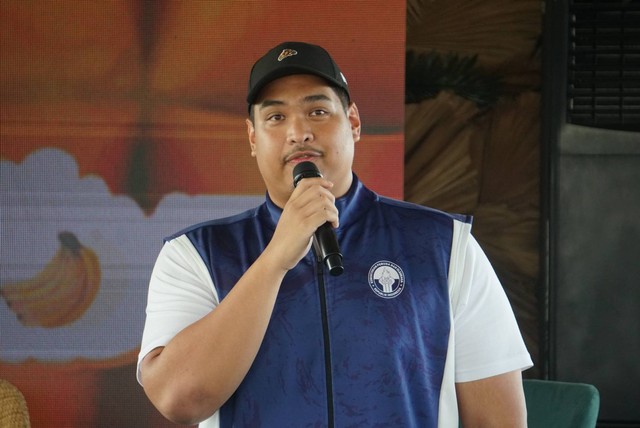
{"x":554,"y":404}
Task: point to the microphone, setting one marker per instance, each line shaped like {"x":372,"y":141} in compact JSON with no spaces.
{"x":324,"y":238}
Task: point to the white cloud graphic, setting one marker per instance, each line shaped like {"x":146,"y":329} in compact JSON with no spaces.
{"x":43,"y":196}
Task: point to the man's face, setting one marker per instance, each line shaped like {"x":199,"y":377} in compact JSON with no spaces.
{"x":300,"y":118}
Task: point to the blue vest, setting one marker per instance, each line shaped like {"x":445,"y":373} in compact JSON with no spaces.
{"x":366,"y":348}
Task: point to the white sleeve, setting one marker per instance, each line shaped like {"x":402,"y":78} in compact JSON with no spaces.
{"x":181,"y":292}
{"x":487,"y":338}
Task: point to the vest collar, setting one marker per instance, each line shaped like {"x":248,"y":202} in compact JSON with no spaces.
{"x":350,"y":206}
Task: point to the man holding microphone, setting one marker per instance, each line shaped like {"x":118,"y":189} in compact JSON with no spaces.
{"x":247,"y":325}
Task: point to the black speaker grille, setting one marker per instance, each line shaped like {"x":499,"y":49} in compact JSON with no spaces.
{"x":604,"y":64}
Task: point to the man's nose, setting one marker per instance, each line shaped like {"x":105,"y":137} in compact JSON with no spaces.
{"x":299,"y":130}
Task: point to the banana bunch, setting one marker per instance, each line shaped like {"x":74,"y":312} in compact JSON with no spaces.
{"x":62,"y":291}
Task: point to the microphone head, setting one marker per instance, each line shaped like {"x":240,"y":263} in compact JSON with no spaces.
{"x":305,"y":170}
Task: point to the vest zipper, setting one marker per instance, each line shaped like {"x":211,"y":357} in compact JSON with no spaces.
{"x":327,"y":344}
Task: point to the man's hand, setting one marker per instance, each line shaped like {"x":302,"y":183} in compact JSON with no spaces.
{"x":311,"y":205}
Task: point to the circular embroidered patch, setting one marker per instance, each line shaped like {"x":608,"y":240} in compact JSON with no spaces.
{"x":386,"y":279}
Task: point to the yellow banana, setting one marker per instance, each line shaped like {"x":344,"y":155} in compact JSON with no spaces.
{"x":55,"y":298}
{"x":62,"y":291}
{"x":59,"y":271}
{"x":79,"y":302}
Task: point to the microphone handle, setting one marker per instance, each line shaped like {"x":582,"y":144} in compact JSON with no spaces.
{"x":326,"y":246}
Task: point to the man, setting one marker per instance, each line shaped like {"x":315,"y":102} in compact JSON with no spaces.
{"x":245,"y":328}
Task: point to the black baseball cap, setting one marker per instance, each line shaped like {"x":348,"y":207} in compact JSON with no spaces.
{"x":294,"y":58}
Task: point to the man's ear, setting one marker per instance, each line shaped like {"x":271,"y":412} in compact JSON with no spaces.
{"x":354,"y":118}
{"x":251,"y":133}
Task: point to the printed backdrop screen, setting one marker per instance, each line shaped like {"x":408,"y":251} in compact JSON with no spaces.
{"x":122,"y":122}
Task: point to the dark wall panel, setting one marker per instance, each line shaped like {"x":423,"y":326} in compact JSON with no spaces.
{"x":591,"y":180}
{"x":596,"y":297}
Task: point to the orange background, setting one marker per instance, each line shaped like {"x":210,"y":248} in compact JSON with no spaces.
{"x":140,"y":91}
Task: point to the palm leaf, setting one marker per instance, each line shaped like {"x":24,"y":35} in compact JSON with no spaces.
{"x":497,"y":31}
{"x":429,"y":73}
{"x":443,"y":140}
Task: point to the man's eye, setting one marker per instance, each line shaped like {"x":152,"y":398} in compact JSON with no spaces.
{"x":318,"y":112}
{"x":274,"y":117}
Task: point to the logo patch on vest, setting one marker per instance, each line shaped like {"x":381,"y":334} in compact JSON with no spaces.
{"x":386,"y":279}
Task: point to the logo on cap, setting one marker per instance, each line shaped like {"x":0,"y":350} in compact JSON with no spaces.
{"x":286,"y":53}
